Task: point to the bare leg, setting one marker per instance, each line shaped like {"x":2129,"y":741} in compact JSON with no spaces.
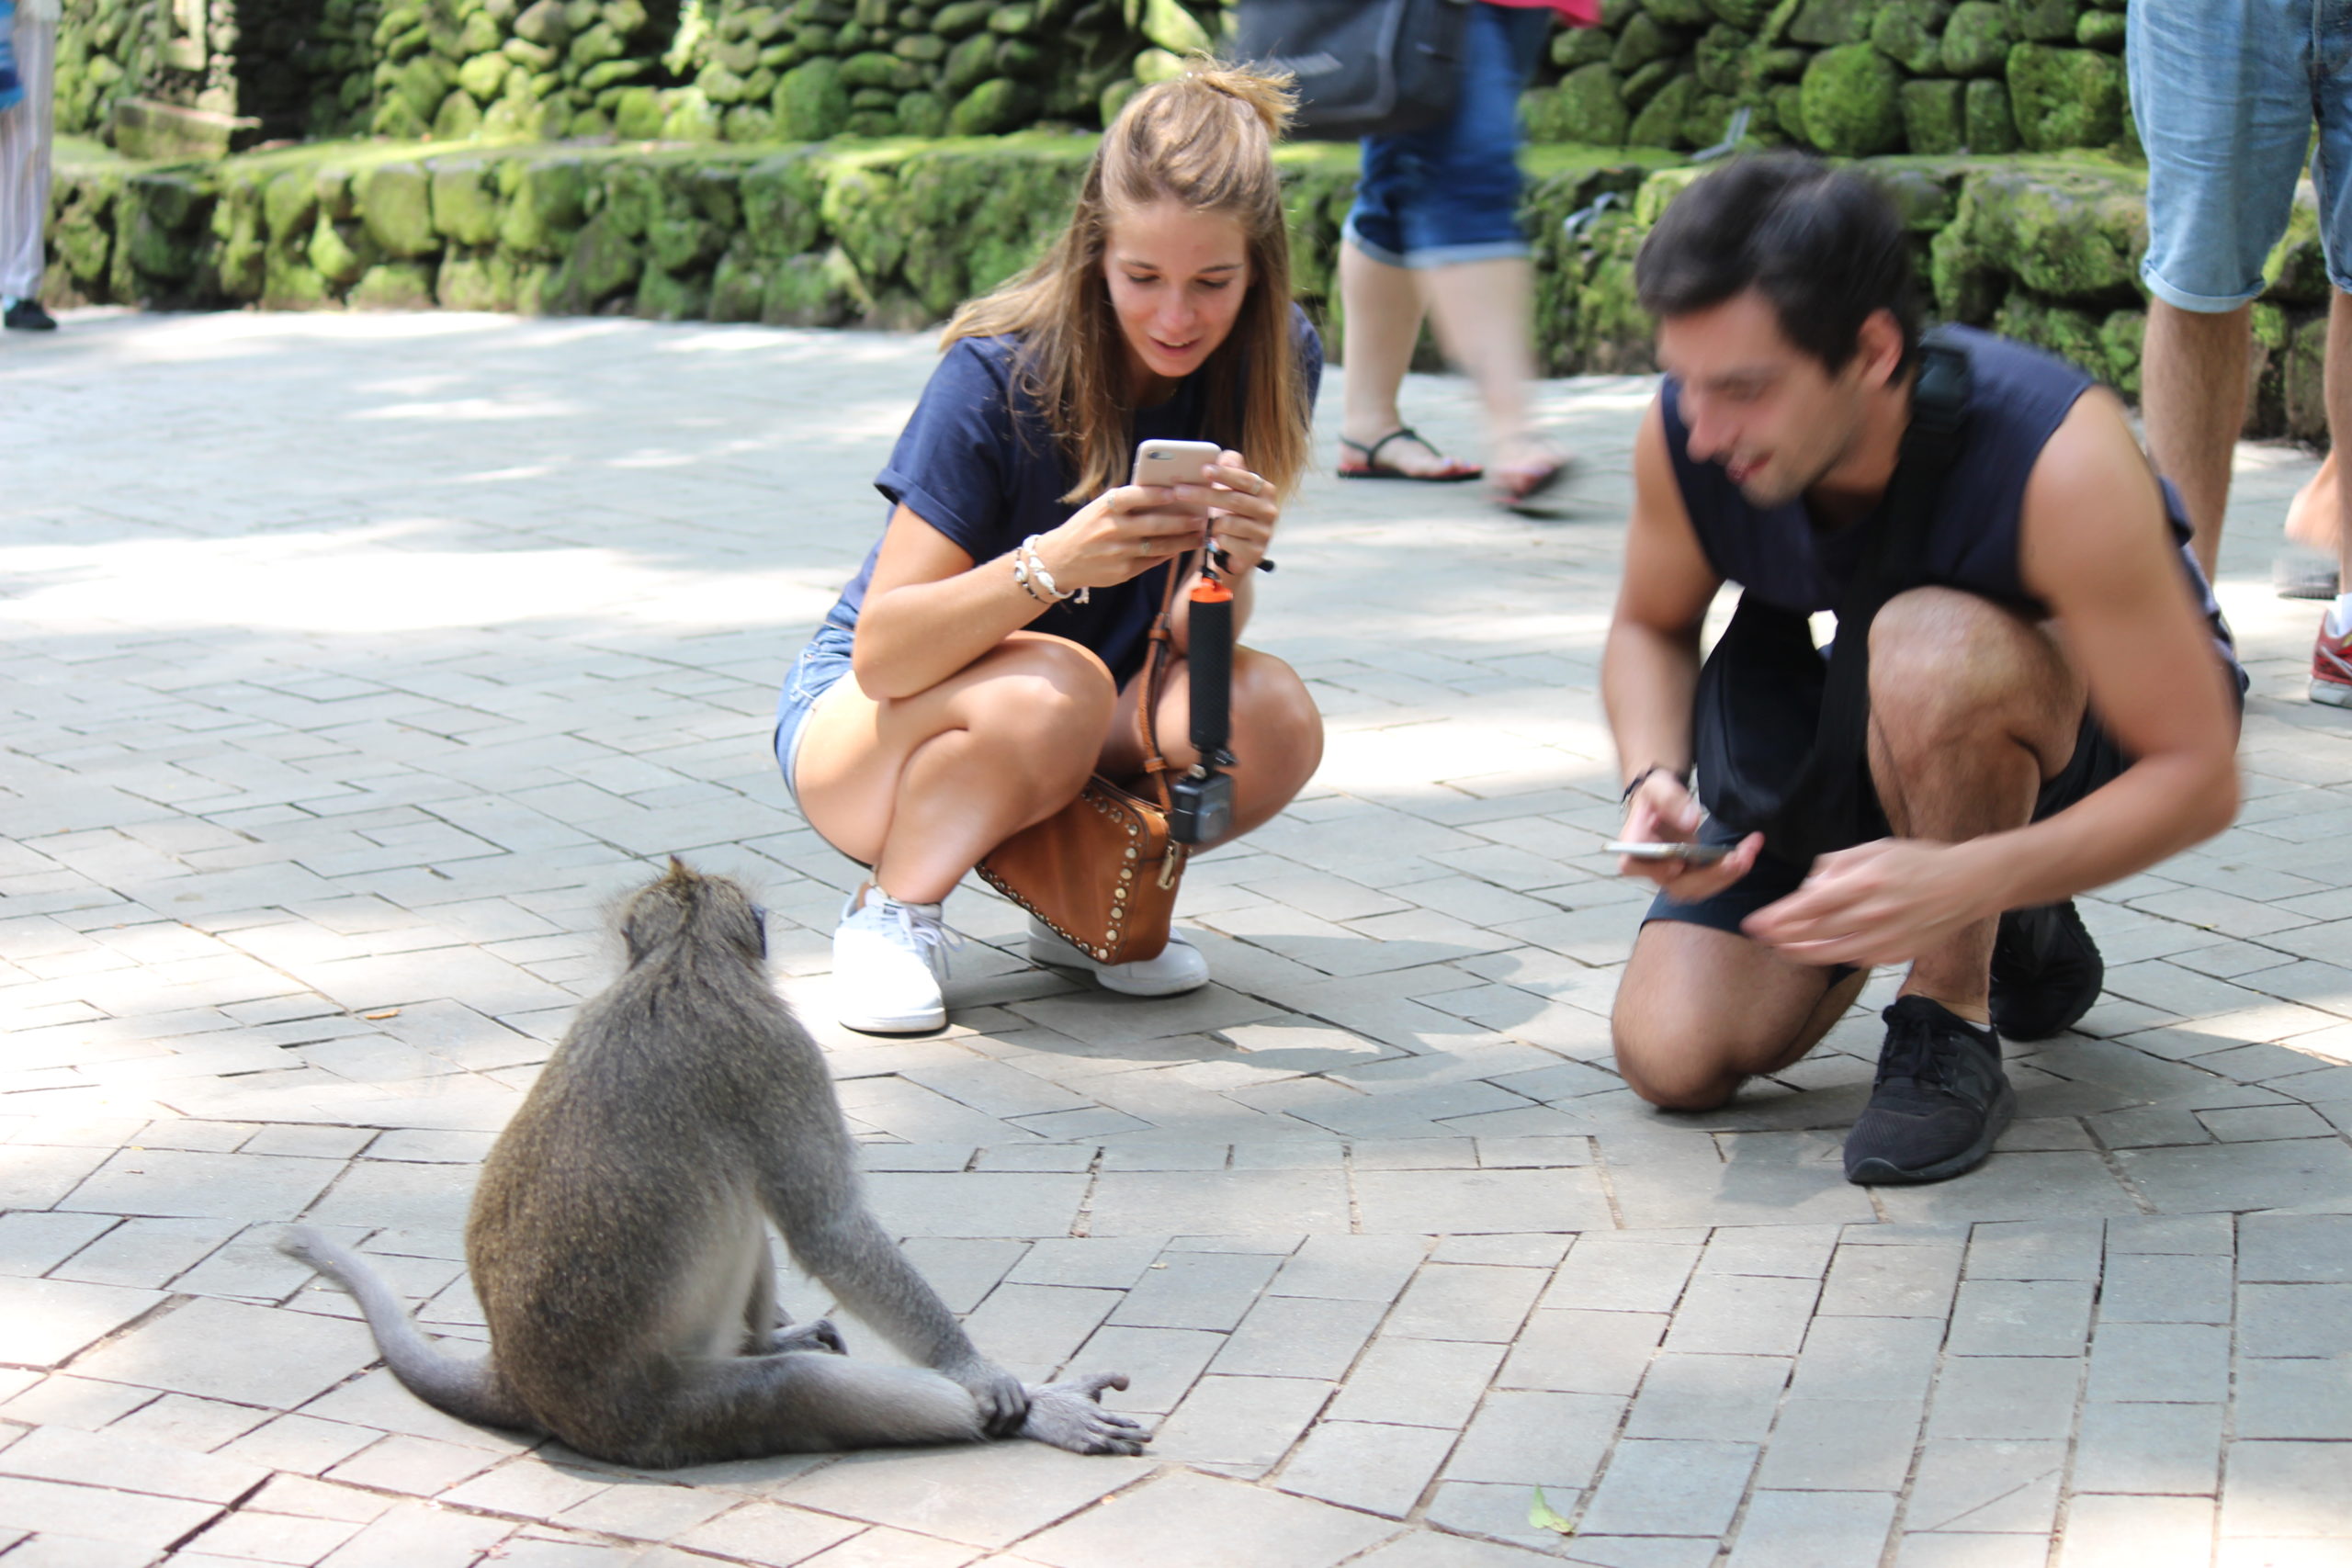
{"x":1484,"y":312}
{"x":2192,"y":398}
{"x":1700,"y":1012}
{"x":1277,"y":736}
{"x":922,"y":787}
{"x":1972,"y":707}
{"x":1382,"y":309}
{"x":2338,"y":382}
{"x":2315,"y":518}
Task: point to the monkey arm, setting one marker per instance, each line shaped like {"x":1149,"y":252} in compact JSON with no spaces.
{"x":859,"y":1262}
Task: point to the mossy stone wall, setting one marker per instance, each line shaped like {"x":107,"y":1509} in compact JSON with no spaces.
{"x":1855,"y":78}
{"x":895,"y":232}
{"x":692,"y":71}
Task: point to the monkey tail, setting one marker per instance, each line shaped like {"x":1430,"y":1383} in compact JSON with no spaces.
{"x":471,"y":1391}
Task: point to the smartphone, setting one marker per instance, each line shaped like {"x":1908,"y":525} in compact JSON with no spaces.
{"x":1174,"y":462}
{"x":1690,"y":855}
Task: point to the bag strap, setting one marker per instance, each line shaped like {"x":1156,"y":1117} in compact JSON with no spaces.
{"x":1159,"y":655}
{"x":1889,"y":561}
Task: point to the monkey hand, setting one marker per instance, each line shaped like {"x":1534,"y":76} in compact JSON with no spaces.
{"x":819,"y":1335}
{"x":1070,"y":1415}
{"x":1001,"y":1399}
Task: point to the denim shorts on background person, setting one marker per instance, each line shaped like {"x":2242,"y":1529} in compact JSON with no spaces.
{"x":2224,"y":93}
{"x":818,"y":668}
{"x":1450,"y":193}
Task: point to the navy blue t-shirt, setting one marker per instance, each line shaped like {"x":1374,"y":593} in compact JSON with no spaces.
{"x":978,"y":462}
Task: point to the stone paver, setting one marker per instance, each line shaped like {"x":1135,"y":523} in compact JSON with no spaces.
{"x":355,"y":663}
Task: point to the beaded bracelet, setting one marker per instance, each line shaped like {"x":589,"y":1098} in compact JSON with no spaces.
{"x":1028,"y":567}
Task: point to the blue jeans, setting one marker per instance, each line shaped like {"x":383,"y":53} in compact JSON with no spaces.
{"x":2224,"y":93}
{"x":1450,"y":193}
{"x":818,"y":668}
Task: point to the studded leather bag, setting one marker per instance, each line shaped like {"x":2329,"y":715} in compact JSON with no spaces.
{"x":1102,"y":870}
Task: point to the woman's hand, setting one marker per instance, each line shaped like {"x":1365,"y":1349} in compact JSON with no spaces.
{"x":1123,"y":533}
{"x":1242,"y":513}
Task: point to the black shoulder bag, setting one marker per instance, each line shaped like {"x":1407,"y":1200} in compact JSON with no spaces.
{"x":1364,"y":67}
{"x":1765,"y":687}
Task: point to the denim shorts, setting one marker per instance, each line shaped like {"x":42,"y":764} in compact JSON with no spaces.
{"x":2224,"y":93}
{"x":818,"y":668}
{"x":1450,"y":193}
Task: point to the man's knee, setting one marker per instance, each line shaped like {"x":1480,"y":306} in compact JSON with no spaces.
{"x":1673,"y":1055}
{"x":1945,"y":663}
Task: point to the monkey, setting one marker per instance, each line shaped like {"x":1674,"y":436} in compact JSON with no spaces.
{"x":618,"y":1246}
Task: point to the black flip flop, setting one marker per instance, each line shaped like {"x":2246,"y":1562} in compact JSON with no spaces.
{"x":1373,"y":468}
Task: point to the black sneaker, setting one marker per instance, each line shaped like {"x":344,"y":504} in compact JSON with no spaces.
{"x":1939,"y":1101}
{"x":27,"y":316}
{"x":2046,"y":970}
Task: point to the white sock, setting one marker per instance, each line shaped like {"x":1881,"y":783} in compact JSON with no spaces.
{"x":2339,"y":615}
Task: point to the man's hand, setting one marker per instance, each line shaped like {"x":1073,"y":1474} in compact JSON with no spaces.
{"x":1885,"y":902}
{"x":1661,"y":811}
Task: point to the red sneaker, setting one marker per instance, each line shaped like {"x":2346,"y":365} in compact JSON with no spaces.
{"x":2331,"y":668}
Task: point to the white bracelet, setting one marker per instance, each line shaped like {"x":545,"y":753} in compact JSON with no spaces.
{"x":1043,"y":577}
{"x":1021,"y":576}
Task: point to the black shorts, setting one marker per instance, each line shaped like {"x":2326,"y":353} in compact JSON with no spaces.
{"x":2097,"y":761}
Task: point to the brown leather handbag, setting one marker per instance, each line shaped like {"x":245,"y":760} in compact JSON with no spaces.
{"x":1102,"y":870}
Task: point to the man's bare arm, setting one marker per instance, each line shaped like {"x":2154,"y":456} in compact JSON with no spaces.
{"x":2097,"y":550}
{"x":1649,"y":666}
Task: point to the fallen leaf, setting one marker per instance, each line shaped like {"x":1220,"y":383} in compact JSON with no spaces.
{"x":1539,"y":1515}
{"x":388,"y":1013}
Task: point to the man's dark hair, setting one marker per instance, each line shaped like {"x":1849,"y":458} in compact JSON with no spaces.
{"x":1824,"y":245}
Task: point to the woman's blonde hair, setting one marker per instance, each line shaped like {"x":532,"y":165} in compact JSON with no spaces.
{"x":1203,"y":139}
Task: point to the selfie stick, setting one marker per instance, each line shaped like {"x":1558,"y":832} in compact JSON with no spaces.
{"x":1209,"y":656}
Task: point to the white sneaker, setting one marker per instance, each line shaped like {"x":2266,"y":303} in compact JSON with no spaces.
{"x":1178,"y":967}
{"x":888,"y":962}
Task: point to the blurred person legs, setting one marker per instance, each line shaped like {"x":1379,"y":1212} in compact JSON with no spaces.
{"x":2239,"y":82}
{"x":1435,"y":231}
{"x":24,"y":173}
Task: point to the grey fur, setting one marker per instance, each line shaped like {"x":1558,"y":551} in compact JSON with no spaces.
{"x":618,"y":1242}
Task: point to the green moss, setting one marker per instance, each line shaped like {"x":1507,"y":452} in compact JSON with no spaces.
{"x":396,"y":204}
{"x":464,"y":202}
{"x":1832,"y":22}
{"x":1644,"y":39}
{"x":602,"y":263}
{"x":2065,"y":98}
{"x":1991,"y":128}
{"x":2296,"y":269}
{"x":780,"y":196}
{"x":811,"y":102}
{"x":289,"y":201}
{"x":483,"y":282}
{"x":1910,"y":33}
{"x":683,"y":244}
{"x":1853,"y":104}
{"x":393,"y":286}
{"x":691,"y":117}
{"x":812,"y":291}
{"x":738,"y":288}
{"x":663,"y":296}
{"x":2305,"y":385}
{"x":485,"y":74}
{"x":1977,"y":38}
{"x":2101,"y":30}
{"x":2064,"y":233}
{"x":2045,"y":21}
{"x":995,"y":106}
{"x":1573,"y":48}
{"x":1723,"y":59}
{"x":1586,"y":106}
{"x":2121,"y":335}
{"x":860,"y":209}
{"x":1661,"y":122}
{"x":342,"y":253}
{"x":290,"y":284}
{"x":1935,"y":117}
{"x":547,"y":206}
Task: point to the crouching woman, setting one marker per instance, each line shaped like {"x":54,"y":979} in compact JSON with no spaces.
{"x":988,"y":657}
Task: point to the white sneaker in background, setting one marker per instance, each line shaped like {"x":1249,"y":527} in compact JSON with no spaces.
{"x":1180,"y":965}
{"x":890,"y":961}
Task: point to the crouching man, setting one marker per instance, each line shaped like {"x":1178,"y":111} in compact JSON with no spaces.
{"x":2052,"y":699}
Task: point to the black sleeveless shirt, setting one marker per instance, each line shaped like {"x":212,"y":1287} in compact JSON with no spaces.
{"x":2020,"y":398}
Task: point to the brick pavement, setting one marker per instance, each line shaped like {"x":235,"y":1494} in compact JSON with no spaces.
{"x":355,"y":663}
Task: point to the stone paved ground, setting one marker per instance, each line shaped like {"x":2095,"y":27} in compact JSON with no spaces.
{"x":355,"y":663}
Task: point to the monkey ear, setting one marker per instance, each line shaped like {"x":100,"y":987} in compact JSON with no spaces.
{"x":678,"y":871}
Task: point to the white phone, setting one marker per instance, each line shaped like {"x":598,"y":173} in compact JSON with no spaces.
{"x":1692,"y":854}
{"x":1174,"y":462}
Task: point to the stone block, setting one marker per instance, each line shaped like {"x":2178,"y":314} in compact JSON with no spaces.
{"x":1379,"y":1469}
{"x":1852,"y":101}
{"x":50,"y":1321}
{"x":1418,"y":1381}
{"x":1180,"y":1520}
{"x":1553,"y":1440}
{"x":1841,"y":1445}
{"x":1814,"y":1529}
{"x":2021,"y":1317}
{"x":2064,"y":97}
{"x":2160,"y":1363}
{"x":1678,"y":1488}
{"x":2151,"y":1447}
{"x":396,"y":205}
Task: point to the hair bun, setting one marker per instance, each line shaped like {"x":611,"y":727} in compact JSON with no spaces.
{"x":1271,"y":94}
